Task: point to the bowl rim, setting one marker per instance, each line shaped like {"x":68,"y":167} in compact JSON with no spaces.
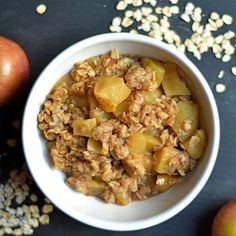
{"x":188,"y":198}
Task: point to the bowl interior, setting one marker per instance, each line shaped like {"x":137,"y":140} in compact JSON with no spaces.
{"x":91,"y":210}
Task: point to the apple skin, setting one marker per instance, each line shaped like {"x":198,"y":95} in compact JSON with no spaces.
{"x":14,"y":70}
{"x":224,"y":223}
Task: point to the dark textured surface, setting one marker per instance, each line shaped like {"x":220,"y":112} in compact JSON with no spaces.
{"x":68,"y":21}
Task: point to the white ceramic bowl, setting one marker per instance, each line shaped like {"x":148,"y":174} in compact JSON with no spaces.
{"x":91,"y":210}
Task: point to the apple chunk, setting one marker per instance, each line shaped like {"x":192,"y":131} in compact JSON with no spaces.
{"x":196,"y":144}
{"x":110,"y":91}
{"x":84,"y":127}
{"x":187,"y":114}
{"x":156,"y":67}
{"x":172,"y":84}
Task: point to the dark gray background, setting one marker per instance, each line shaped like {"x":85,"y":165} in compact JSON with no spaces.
{"x":68,"y":21}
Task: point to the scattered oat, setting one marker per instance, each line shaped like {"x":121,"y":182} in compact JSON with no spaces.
{"x":121,"y":5}
{"x":174,"y":9}
{"x":174,"y":1}
{"x":185,"y":17}
{"x":229,"y":35}
{"x":126,"y":22}
{"x":227,"y":19}
{"x":220,"y":88}
{"x":133,"y":31}
{"x":226,"y":58}
{"x":195,"y":26}
{"x":137,"y":3}
{"x":116,"y":21}
{"x":129,"y":13}
{"x":214,"y":16}
{"x":158,"y":10}
{"x":152,"y":18}
{"x":233,"y":70}
{"x":219,"y":39}
{"x":41,"y":9}
{"x":47,"y":200}
{"x":189,"y":7}
{"x":153,"y":3}
{"x":145,"y":26}
{"x":146,"y":11}
{"x":137,"y":15}
{"x":33,"y":198}
{"x":166,"y":11}
{"x":219,"y":23}
{"x":221,"y":74}
{"x":44,"y":219}
{"x":115,"y":28}
{"x":47,"y":208}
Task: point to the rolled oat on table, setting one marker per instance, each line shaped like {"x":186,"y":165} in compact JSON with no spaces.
{"x":122,"y":127}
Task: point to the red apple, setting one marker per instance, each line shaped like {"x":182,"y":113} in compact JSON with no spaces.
{"x":224,"y":223}
{"x":14,"y":70}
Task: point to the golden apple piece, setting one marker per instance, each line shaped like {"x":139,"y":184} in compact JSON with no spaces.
{"x":152,"y":96}
{"x":165,"y":181}
{"x":162,"y":158}
{"x":186,"y":120}
{"x":147,"y":162}
{"x":121,"y":108}
{"x":137,"y":143}
{"x":100,"y":115}
{"x":93,"y":145}
{"x":172,"y":84}
{"x":80,"y":101}
{"x":84,"y":127}
{"x":122,"y":198}
{"x":157,"y":68}
{"x":153,"y":143}
{"x":110,"y":91}
{"x":196,"y":144}
{"x":64,"y":79}
{"x":93,"y":103}
{"x":94,"y":187}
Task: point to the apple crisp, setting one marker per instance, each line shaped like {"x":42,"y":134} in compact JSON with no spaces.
{"x":122,"y":127}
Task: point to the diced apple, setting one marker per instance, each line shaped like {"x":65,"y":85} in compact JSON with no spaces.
{"x":152,"y":96}
{"x":110,"y":91}
{"x":121,"y":108}
{"x":172,"y":84}
{"x":94,"y":187}
{"x":93,"y":103}
{"x":93,"y":145}
{"x":157,"y":68}
{"x":164,"y":181}
{"x":84,"y":127}
{"x":122,"y":198}
{"x":64,"y":79}
{"x":161,"y":159}
{"x":187,"y":112}
{"x":152,"y":143}
{"x":147,"y":162}
{"x":100,"y":115}
{"x":137,"y":143}
{"x":196,"y":144}
{"x":81,"y":101}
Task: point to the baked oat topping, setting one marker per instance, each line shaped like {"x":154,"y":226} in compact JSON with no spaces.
{"x":122,"y":127}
